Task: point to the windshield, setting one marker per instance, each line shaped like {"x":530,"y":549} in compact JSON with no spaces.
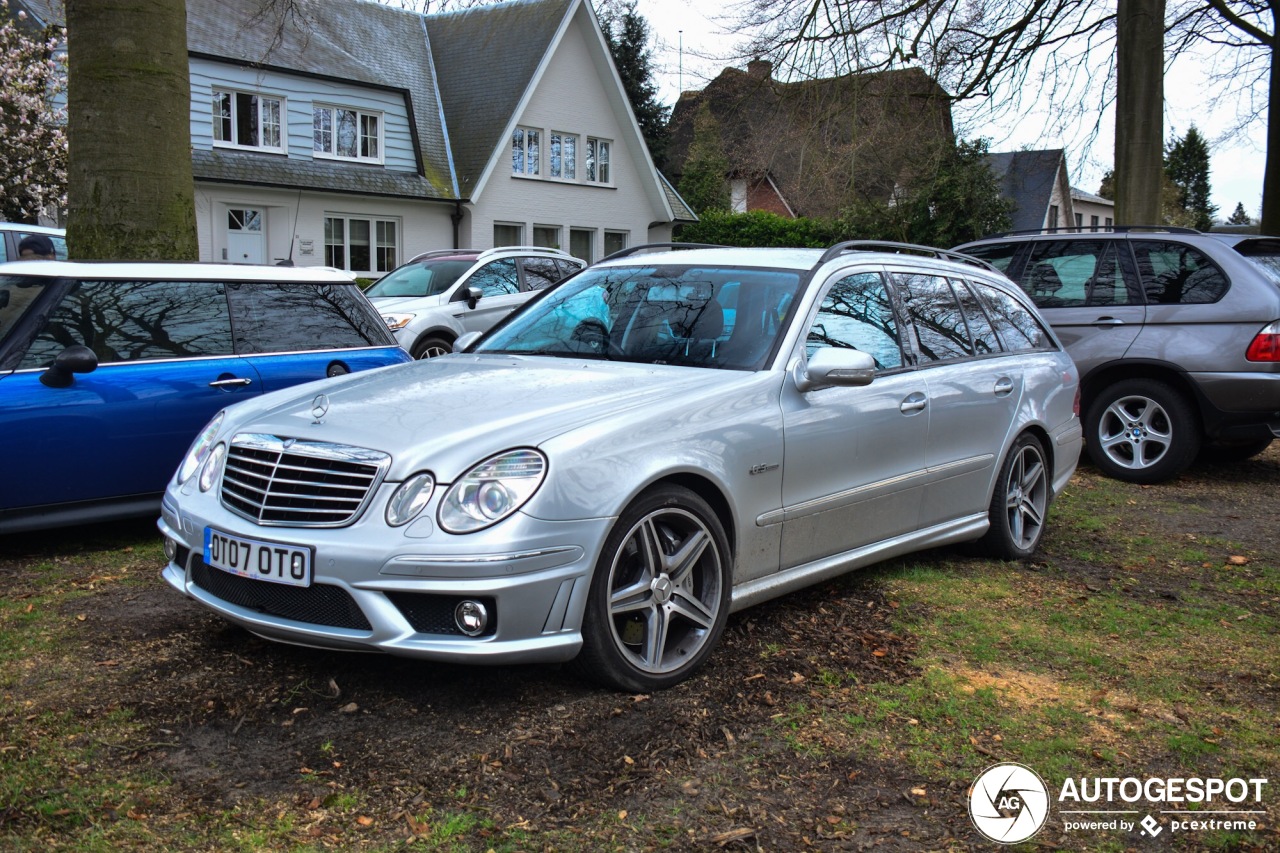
{"x":669,"y":314}
{"x":17,"y":293}
{"x":420,"y":278}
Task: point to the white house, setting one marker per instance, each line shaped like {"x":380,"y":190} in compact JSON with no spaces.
{"x":353,"y":134}
{"x":1093,"y":212}
{"x":1037,"y":184}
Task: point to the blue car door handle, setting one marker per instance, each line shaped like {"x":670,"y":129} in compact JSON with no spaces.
{"x":231,"y":382}
{"x":914,"y":402}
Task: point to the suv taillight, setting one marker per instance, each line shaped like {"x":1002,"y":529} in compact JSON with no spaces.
{"x":1265,"y":345}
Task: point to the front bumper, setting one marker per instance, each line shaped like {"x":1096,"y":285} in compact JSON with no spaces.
{"x":395,"y":590}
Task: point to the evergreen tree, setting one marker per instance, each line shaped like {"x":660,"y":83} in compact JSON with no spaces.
{"x":1186,"y":162}
{"x":1239,"y":217}
{"x":705,"y":182}
{"x":627,"y":33}
{"x":1107,"y":189}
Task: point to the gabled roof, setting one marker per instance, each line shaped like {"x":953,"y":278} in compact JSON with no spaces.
{"x":355,"y":41}
{"x":485,"y":58}
{"x":1081,"y":195}
{"x":822,"y":141}
{"x":1027,"y":179}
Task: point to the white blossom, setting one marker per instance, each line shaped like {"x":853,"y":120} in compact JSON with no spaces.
{"x":33,"y":134}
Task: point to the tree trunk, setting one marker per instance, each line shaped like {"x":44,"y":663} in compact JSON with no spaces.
{"x":1139,"y":111}
{"x":1270,"y":223}
{"x":129,"y":184}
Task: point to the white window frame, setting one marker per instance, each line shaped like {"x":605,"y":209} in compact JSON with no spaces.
{"x":562,"y":166}
{"x":377,"y":232}
{"x":526,"y":152}
{"x":233,"y":97}
{"x":362,"y":117}
{"x":599,"y":161}
{"x":519,"y":233}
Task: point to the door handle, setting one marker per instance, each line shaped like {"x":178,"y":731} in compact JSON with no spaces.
{"x":233,"y":382}
{"x":914,"y":402}
{"x":1004,"y":386}
{"x":1108,"y":321}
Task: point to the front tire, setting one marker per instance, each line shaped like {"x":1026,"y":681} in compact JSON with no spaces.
{"x":1141,"y":431}
{"x":659,"y":595}
{"x":1020,"y":503}
{"x":431,"y":347}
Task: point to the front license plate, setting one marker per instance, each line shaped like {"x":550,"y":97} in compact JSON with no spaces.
{"x":254,"y":558}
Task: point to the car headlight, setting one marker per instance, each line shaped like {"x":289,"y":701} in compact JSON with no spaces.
{"x":396,"y":322}
{"x":409,"y":499}
{"x":200,"y":448}
{"x":212,"y":469}
{"x":492,"y":490}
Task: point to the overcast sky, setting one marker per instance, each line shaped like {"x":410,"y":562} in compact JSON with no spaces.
{"x":1236,"y":164}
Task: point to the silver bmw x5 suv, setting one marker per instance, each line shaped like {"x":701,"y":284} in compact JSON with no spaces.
{"x":1176,"y":333}
{"x":657,"y":441}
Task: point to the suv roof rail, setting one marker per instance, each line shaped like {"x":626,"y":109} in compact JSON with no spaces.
{"x":542,"y":250}
{"x":1096,"y":229}
{"x":434,"y":253}
{"x":644,"y":247}
{"x":902,"y":249}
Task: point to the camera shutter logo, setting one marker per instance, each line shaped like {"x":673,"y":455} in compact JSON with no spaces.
{"x":1008,"y":803}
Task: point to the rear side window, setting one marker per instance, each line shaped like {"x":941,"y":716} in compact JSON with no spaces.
{"x":940,"y":328}
{"x":985,"y":341}
{"x":999,"y":255}
{"x":1018,"y":328}
{"x":1177,"y":274}
{"x":135,"y":321}
{"x":540,"y":272}
{"x":271,"y":317}
{"x":1076,"y":273}
{"x":858,"y":314}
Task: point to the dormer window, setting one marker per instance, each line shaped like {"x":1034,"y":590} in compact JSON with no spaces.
{"x":598,"y":161}
{"x":247,"y":120}
{"x":346,"y":134}
{"x":525,"y":151}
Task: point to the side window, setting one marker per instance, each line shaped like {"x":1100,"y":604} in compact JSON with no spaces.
{"x":857,"y":314}
{"x":301,"y":317}
{"x":568,"y":268}
{"x":540,"y":272}
{"x":940,"y":330}
{"x":496,"y":279}
{"x":999,"y":255}
{"x":1075,"y":273}
{"x":136,"y":321}
{"x":1177,"y":274}
{"x":985,"y":341}
{"x":1018,"y":328}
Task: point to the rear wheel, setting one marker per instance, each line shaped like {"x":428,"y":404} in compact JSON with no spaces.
{"x":659,"y":596}
{"x":431,"y":347}
{"x":1141,"y":431}
{"x":1020,"y":503}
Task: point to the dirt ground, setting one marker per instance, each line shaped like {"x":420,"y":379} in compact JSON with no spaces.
{"x":231,"y":720}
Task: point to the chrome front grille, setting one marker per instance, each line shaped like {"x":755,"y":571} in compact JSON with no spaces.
{"x":286,"y":482}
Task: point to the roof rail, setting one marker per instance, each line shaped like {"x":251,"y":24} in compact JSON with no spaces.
{"x":644,"y":247}
{"x":434,"y":253}
{"x":539,"y":249}
{"x":902,"y":249}
{"x":1091,"y":229}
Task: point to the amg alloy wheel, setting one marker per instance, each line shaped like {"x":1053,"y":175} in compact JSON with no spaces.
{"x":1020,"y":504}
{"x":660,"y":594}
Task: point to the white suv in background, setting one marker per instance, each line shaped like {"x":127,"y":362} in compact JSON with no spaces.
{"x":438,"y":296}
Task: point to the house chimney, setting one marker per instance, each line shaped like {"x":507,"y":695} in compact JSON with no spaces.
{"x":761,"y":68}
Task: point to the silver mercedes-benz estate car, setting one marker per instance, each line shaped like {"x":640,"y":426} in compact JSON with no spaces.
{"x":663,"y":439}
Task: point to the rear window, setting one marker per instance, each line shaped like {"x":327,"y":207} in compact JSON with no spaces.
{"x":1265,"y":255}
{"x":303,"y":317}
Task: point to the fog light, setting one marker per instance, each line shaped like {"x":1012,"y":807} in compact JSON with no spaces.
{"x":170,"y":549}
{"x":472,"y":618}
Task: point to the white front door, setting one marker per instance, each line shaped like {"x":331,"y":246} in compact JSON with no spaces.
{"x":246,"y":241}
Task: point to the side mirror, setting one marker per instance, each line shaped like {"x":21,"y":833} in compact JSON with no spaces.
{"x":466,"y":340}
{"x":473,"y":296}
{"x":834,"y":366}
{"x":72,"y":360}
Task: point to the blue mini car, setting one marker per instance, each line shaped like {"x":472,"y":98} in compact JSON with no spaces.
{"x":108,"y":371}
